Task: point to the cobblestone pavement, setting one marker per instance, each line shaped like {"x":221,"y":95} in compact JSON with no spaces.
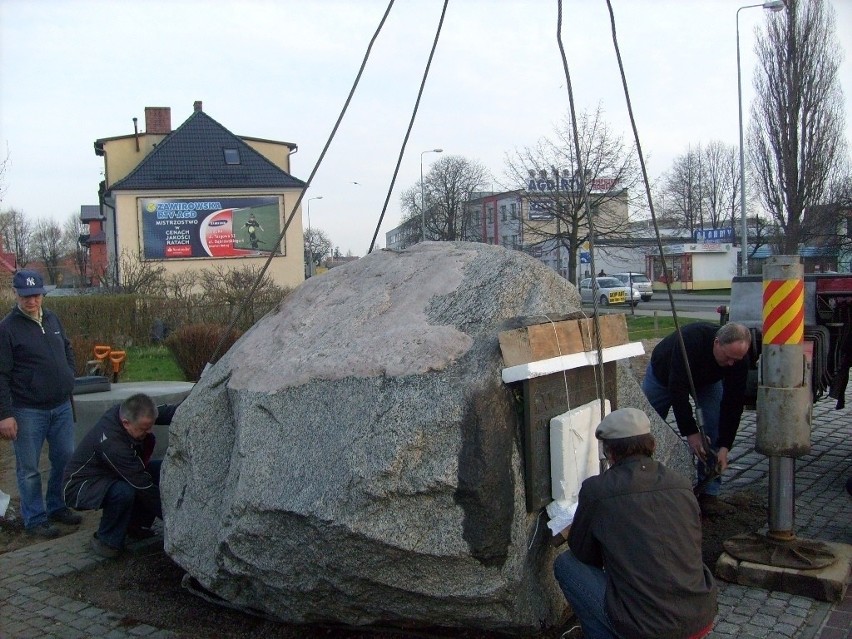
{"x":823,"y":512}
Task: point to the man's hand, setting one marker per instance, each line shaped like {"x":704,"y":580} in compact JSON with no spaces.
{"x":9,"y":428}
{"x":722,"y":459}
{"x":699,"y":446}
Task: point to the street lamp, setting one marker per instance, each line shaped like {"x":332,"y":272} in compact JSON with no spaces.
{"x":422,"y":203}
{"x":771,"y":5}
{"x":308,"y":208}
{"x":309,"y":244}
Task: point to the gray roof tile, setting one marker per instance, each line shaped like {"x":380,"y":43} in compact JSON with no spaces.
{"x":192,"y":157}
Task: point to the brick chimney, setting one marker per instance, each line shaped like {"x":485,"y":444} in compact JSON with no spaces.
{"x":196,"y":106}
{"x":158,"y":120}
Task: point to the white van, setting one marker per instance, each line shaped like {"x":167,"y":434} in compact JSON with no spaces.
{"x":639,"y":281}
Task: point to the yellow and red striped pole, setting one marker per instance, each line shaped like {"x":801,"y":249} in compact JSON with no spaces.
{"x":784,"y":398}
{"x":783,"y":311}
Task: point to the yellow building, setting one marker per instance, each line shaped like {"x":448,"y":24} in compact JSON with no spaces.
{"x":198,"y":196}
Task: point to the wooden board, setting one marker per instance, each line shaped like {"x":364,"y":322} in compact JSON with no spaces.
{"x":552,"y":339}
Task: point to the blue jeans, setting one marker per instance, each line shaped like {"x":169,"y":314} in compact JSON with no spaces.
{"x":122,"y":508}
{"x":709,"y":401}
{"x":584,"y":587}
{"x":35,"y":426}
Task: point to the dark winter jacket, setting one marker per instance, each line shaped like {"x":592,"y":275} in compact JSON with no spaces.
{"x":640,"y":522}
{"x":670,"y":370}
{"x":36,"y":362}
{"x":108,"y":454}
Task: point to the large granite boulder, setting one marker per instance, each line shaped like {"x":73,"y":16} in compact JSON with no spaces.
{"x":356,"y":458}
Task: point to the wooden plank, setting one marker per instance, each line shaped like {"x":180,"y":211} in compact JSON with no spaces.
{"x":568,"y":362}
{"x":552,"y":339}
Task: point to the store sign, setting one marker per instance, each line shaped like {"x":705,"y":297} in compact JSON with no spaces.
{"x":209,"y":227}
{"x":541,"y":210}
{"x":706,"y":247}
{"x":569,"y":185}
{"x":714,"y":235}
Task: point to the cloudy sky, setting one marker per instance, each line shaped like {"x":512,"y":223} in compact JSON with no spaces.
{"x":72,"y":71}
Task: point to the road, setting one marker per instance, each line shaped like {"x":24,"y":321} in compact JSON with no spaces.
{"x":686,"y":304}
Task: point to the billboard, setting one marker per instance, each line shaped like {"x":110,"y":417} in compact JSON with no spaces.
{"x":209,"y":227}
{"x":540,"y":210}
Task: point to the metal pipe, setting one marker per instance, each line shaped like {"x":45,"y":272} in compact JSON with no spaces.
{"x":782,"y":502}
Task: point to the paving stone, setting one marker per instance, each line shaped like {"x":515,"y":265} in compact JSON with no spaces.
{"x":74,"y":606}
{"x":753,"y":630}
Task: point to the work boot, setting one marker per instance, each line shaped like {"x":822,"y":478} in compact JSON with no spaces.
{"x":104,"y":550}
{"x":66,"y":516}
{"x":44,"y":530}
{"x":140,"y":532}
{"x":712,"y":506}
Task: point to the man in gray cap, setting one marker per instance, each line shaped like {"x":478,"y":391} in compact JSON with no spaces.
{"x":634,"y":568}
{"x":36,"y":381}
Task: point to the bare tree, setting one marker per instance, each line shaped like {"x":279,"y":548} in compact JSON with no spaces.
{"x":74,"y":229}
{"x":181,"y":286}
{"x":447,"y":188}
{"x":701,"y":190}
{"x":50,"y":247}
{"x":226,"y":288}
{"x":680,"y":194}
{"x":4,"y":169}
{"x":317,"y":245}
{"x":551,"y":167}
{"x":132,"y":274}
{"x":796,"y":131}
{"x":16,"y":231}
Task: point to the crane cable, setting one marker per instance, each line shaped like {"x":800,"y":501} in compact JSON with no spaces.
{"x":699,"y":417}
{"x":585,"y":192}
{"x":241,"y":307}
{"x":408,"y":130}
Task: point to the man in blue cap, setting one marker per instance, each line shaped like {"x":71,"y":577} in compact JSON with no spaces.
{"x":36,"y":381}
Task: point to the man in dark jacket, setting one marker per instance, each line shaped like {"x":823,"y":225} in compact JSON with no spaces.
{"x":36,"y":381}
{"x":634,"y":568}
{"x":111,"y":470}
{"x":718,"y":362}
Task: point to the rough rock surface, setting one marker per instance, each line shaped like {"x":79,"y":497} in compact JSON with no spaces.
{"x":356,"y":458}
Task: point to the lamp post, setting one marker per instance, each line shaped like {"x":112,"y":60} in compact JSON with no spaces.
{"x":308,"y":245}
{"x":771,"y":5}
{"x":422,"y":203}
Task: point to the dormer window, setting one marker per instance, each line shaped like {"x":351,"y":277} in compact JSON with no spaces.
{"x":232,"y":156}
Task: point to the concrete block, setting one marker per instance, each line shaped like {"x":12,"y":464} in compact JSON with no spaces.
{"x":822,"y":584}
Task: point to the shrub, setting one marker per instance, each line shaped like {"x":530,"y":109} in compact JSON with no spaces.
{"x":193,"y":345}
{"x":84,"y":351}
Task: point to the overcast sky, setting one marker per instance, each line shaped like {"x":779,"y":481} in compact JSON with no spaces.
{"x":72,"y":71}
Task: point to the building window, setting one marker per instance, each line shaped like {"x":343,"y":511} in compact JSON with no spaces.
{"x":490,"y":215}
{"x":476,"y":217}
{"x":514,"y":241}
{"x":232,"y":156}
{"x":503,"y":212}
{"x":514,"y":210}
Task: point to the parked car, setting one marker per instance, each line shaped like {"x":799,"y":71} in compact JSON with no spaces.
{"x":640,"y":282}
{"x":608,"y":290}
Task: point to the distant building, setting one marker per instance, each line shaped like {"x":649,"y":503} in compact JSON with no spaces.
{"x":94,"y":239}
{"x":192,"y":197}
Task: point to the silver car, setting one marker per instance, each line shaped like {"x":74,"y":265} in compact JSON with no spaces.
{"x":639,"y":281}
{"x":608,"y":290}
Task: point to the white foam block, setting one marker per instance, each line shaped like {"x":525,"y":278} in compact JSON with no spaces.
{"x":574,"y":449}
